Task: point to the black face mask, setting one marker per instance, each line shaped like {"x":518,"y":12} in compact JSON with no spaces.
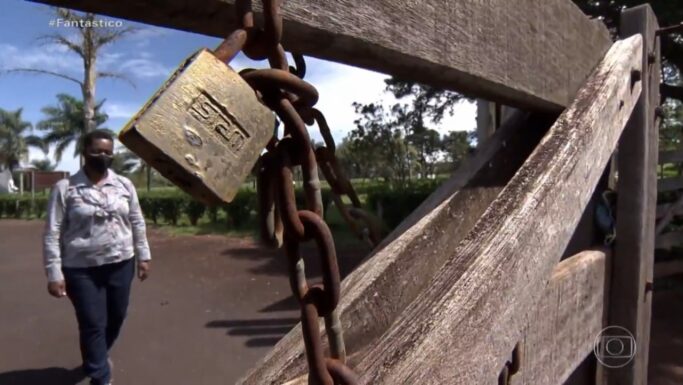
{"x":99,"y":163}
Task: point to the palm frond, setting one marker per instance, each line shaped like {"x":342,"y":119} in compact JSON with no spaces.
{"x":45,"y":72}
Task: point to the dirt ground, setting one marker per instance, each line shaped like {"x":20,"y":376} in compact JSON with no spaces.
{"x":212,"y":308}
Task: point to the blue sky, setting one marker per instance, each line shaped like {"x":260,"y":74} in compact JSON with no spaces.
{"x":148,"y":57}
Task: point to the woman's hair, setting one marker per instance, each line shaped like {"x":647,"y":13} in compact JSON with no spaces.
{"x":87,"y":139}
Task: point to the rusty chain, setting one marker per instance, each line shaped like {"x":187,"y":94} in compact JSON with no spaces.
{"x":284,"y":91}
{"x":364,"y":225}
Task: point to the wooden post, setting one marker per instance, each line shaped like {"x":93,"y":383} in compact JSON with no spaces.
{"x":485,"y":124}
{"x":33,"y":186}
{"x":630,"y":301}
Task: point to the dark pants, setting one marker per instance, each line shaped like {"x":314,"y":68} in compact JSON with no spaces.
{"x":100,"y":296}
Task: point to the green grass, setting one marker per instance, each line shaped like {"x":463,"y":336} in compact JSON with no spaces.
{"x":670,"y":170}
{"x":339,"y":228}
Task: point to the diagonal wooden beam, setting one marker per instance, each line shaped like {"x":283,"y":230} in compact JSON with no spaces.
{"x":523,"y":53}
{"x":464,"y":324}
{"x":452,"y":210}
{"x":560,"y":332}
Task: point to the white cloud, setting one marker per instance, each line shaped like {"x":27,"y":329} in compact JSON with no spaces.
{"x":120,"y":110}
{"x":108,"y":60}
{"x":141,"y":67}
{"x":144,"y":36}
{"x":68,"y":163}
{"x":341,"y":85}
{"x":50,"y":57}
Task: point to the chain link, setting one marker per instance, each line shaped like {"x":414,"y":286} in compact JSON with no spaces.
{"x":282,"y":223}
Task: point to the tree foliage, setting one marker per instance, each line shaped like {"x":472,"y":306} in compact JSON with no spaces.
{"x":64,"y":123}
{"x":396,"y":142}
{"x":372,"y":145}
{"x":43,"y":164}
{"x":15,"y":138}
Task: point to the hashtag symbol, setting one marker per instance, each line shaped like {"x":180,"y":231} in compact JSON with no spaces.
{"x":52,"y":23}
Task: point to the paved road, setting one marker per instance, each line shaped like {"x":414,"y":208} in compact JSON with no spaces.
{"x":212,"y":307}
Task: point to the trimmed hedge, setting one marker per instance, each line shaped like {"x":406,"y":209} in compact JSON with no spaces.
{"x":22,"y":206}
{"x":172,"y":206}
{"x":393,"y":205}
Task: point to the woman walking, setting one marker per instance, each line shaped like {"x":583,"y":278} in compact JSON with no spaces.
{"x":94,"y":235}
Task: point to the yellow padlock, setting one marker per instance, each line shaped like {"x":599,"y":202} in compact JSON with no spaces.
{"x":204,"y":129}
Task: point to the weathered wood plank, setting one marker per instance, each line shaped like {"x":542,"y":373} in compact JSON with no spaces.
{"x":463,"y":325}
{"x":668,"y":268}
{"x":437,"y":225}
{"x":675,"y":156}
{"x":670,"y":184}
{"x":668,"y":240}
{"x":630,"y":302}
{"x":524,"y":53}
{"x":561,"y":330}
{"x":461,"y":328}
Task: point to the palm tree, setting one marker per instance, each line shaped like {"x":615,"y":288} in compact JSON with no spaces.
{"x":14,"y":141}
{"x":87,"y":42}
{"x":43,"y":165}
{"x":126,"y":162}
{"x":65,"y":123}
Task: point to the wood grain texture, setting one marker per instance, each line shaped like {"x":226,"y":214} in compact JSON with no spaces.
{"x":461,"y":328}
{"x":524,"y":53}
{"x":374,"y":295}
{"x":630,"y":302}
{"x":561,"y":330}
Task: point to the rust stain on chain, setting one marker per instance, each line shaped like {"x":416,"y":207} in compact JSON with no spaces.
{"x":282,"y":223}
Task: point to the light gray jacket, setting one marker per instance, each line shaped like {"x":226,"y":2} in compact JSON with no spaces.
{"x":90,"y":225}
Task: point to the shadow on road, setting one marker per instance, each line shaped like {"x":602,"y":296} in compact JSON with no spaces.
{"x":52,"y":376}
{"x":273,"y":262}
{"x":262,"y":332}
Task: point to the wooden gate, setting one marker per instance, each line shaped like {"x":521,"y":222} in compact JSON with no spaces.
{"x":503,"y":254}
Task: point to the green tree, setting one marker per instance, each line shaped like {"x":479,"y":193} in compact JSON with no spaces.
{"x":380,"y":146}
{"x":669,"y":12}
{"x":400,"y":142}
{"x":64,"y":123}
{"x":456,"y":146}
{"x":418,"y":105}
{"x":43,"y":165}
{"x":14,"y":138}
{"x":126,"y":162}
